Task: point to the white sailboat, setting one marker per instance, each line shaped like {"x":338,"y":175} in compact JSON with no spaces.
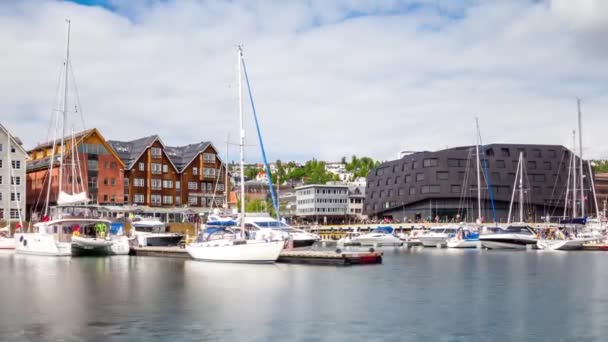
{"x":6,"y":240}
{"x":514,"y":236}
{"x":231,"y":248}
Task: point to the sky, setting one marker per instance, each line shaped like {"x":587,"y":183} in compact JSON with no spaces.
{"x":329,"y":78}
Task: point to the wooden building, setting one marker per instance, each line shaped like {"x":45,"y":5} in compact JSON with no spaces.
{"x":100,"y":170}
{"x":158,"y":175}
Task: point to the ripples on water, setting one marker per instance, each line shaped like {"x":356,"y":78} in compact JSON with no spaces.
{"x":418,"y":294}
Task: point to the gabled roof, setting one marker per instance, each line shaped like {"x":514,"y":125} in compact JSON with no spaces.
{"x":78,"y":138}
{"x":16,"y":141}
{"x":130,"y":151}
{"x":182,"y":156}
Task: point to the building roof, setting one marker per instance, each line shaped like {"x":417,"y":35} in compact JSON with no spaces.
{"x":321,"y":186}
{"x":16,"y":140}
{"x":182,"y":156}
{"x":130,"y":151}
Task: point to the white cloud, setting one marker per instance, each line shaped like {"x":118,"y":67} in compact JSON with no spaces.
{"x":330,"y":78}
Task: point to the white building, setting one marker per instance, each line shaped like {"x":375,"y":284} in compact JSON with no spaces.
{"x":12,"y":177}
{"x":356,"y":197}
{"x":322,"y":203}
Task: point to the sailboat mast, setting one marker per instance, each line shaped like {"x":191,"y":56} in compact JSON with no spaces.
{"x":513,"y":192}
{"x":568,"y":186}
{"x":597,"y":209}
{"x":521,"y":187}
{"x":65,"y":108}
{"x":478,"y":172}
{"x":10,"y":175}
{"x":242,"y":140}
{"x":226,"y":187}
{"x":580,"y":155}
{"x":573,"y":175}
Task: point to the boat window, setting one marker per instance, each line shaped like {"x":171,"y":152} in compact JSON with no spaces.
{"x":271,"y":224}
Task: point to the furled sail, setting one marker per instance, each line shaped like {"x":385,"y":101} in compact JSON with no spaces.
{"x":65,"y":198}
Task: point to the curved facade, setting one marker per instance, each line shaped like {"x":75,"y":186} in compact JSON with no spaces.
{"x":444,"y":183}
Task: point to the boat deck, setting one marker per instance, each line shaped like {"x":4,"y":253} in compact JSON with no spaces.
{"x":293,"y":256}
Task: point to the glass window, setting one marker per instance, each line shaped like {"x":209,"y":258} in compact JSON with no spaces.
{"x":504,"y":151}
{"x":531,"y":164}
{"x":142,"y":167}
{"x":429,"y":162}
{"x":547,"y":165}
{"x":408,"y":178}
{"x":412,"y":190}
{"x":419,"y":177}
{"x":442,"y":175}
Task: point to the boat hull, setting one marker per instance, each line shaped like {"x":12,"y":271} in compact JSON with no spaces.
{"x":378,"y":241}
{"x":41,"y":244}
{"x":506,"y":243}
{"x":453,"y":243}
{"x":303,"y":243}
{"x":563,"y":245}
{"x":250,"y":251}
{"x":7,"y":243}
{"x":433,"y":241}
{"x":100,"y":247}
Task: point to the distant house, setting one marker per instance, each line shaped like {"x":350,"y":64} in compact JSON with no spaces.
{"x":12,"y":176}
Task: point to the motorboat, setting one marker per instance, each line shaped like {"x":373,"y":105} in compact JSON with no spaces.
{"x":566,"y":239}
{"x":465,"y":238}
{"x":515,"y":236}
{"x":381,"y":236}
{"x":152,"y":232}
{"x":349,"y":239}
{"x":413,"y":238}
{"x":299,"y":237}
{"x":438,"y":236}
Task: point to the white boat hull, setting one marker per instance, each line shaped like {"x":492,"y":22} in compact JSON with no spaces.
{"x":116,"y":245}
{"x":386,"y":240}
{"x":433,"y":241}
{"x":463,"y":243}
{"x":41,"y":244}
{"x":7,"y":243}
{"x":227,"y":251}
{"x":563,"y":245}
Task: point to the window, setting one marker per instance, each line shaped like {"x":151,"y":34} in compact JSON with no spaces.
{"x":168,"y":199}
{"x":167,"y":184}
{"x":455,"y":189}
{"x":403,"y":166}
{"x":401,"y":191}
{"x":209,"y":172}
{"x":142,"y":167}
{"x":500,"y":164}
{"x":397,"y":179}
{"x":536,"y":153}
{"x":547,"y":165}
{"x":415,"y":164}
{"x":388,"y":181}
{"x":430,"y":162}
{"x":505,"y":152}
{"x":457,"y":162}
{"x":155,"y":199}
{"x":209,"y":157}
{"x":178,"y":200}
{"x":419,"y":177}
{"x":138,"y":182}
{"x":394,"y":168}
{"x":14,"y":214}
{"x":0,"y":180}
{"x":16,"y":164}
{"x":552,"y":154}
{"x":105,"y":181}
{"x":195,"y":171}
{"x":15,"y":196}
{"x":538,"y":177}
{"x":442,"y":175}
{"x":381,"y":194}
{"x":165,"y":168}
{"x":372,"y":195}
{"x":514,"y":164}
{"x":531,"y":164}
{"x":412,"y":190}
{"x":0,"y":163}
{"x":408,"y":178}
{"x":192,"y":185}
{"x":156,"y":168}
{"x":112,"y":181}
{"x":112,"y":165}
{"x":489,"y":152}
{"x":156,"y":184}
{"x":521,"y":151}
{"x":192,"y":200}
{"x":157,"y":152}
{"x":15,"y":180}
{"x":430,"y":189}
{"x":178,"y":185}
{"x":220,"y":187}
{"x":138,"y":198}
{"x":390,"y":193}
{"x":105,"y":198}
{"x":106,"y":165}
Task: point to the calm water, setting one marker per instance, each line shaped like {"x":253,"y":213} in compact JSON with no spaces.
{"x":424,"y":294}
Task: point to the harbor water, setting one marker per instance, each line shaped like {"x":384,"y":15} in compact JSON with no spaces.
{"x":415,"y":295}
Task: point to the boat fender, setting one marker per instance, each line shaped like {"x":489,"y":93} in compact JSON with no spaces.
{"x":21,"y":238}
{"x":24,"y":243}
{"x":338,"y":251}
{"x":372,"y":250}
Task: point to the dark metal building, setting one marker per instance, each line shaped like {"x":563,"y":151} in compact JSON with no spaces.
{"x":443,"y":184}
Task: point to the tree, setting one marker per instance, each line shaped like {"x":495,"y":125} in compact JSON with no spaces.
{"x":600,"y":166}
{"x":251,"y":172}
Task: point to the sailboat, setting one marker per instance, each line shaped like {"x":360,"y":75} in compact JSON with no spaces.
{"x":516,"y":235}
{"x":69,"y":227}
{"x":221,"y":244}
{"x":6,"y":241}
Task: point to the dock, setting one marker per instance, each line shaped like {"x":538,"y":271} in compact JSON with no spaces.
{"x":292,"y":256}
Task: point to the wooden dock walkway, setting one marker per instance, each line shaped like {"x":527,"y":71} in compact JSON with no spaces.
{"x":293,"y":256}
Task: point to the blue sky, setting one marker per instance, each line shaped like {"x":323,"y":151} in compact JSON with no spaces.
{"x":330,"y":78}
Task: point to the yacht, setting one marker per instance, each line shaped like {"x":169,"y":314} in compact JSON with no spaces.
{"x":349,"y":239}
{"x":381,"y":236}
{"x":413,"y":238}
{"x":152,"y":232}
{"x":438,"y":236}
{"x":299,"y":237}
{"x":566,"y":238}
{"x":516,"y":236}
{"x":465,"y":238}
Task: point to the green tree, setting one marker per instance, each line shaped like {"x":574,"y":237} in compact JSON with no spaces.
{"x":600,"y":166}
{"x":251,"y":172}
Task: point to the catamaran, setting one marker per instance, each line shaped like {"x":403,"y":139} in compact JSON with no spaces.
{"x":227,"y":246}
